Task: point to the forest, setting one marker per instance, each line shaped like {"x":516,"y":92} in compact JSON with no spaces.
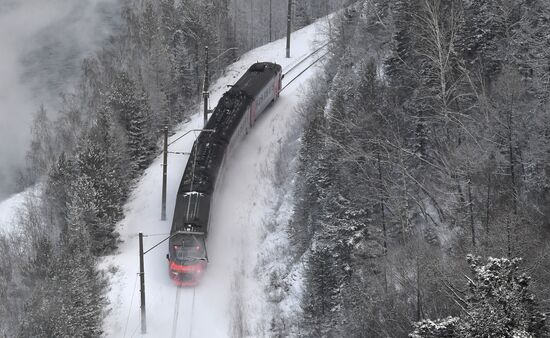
{"x":423,"y":183}
{"x":85,"y":159}
{"x":423,"y":175}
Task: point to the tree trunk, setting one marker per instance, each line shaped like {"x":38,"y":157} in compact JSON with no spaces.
{"x":385,"y":241}
{"x":487,"y":206}
{"x":471,"y":209}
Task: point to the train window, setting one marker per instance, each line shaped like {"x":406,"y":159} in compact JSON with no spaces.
{"x":189,"y":249}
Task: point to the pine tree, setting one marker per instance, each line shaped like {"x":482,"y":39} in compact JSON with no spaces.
{"x":301,"y":14}
{"x":149,"y":27}
{"x":140,"y":141}
{"x":42,"y":149}
{"x":70,"y":300}
{"x":320,"y":302}
{"x":57,"y":190}
{"x":130,"y":105}
{"x":81,"y":286}
{"x":100,"y":188}
{"x":489,"y":30}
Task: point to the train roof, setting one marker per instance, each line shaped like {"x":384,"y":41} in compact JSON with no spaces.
{"x":192,"y":210}
{"x":256,"y":77}
{"x":227,"y":115}
{"x":208,"y":150}
{"x":205,"y":159}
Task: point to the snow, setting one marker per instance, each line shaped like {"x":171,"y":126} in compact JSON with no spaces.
{"x":231,"y":300}
{"x":10,"y":209}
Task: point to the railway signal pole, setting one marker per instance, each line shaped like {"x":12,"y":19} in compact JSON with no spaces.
{"x":142,"y":285}
{"x":142,"y":278}
{"x":164,"y":174}
{"x":205,"y":92}
{"x":288,"y":27}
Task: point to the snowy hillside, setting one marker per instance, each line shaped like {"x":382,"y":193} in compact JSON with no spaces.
{"x":9,"y":209}
{"x":230,"y":300}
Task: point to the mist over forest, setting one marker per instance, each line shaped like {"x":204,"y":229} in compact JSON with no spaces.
{"x":42,"y":46}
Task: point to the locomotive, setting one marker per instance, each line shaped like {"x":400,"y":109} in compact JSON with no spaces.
{"x":231,"y":120}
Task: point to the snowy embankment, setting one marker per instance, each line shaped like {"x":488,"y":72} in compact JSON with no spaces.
{"x":231,"y":299}
{"x":10,"y":209}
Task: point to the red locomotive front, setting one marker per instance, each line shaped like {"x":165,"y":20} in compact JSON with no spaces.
{"x":187,"y":259}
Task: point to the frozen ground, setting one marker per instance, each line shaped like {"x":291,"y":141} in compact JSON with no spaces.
{"x":231,"y":300}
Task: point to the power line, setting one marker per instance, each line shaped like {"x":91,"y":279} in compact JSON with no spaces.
{"x":305,"y":58}
{"x":303,"y":71}
{"x":131,"y":302}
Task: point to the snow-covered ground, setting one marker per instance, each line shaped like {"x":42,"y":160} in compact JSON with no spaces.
{"x":230,"y":301}
{"x":10,"y":210}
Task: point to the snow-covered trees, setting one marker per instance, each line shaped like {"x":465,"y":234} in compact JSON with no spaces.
{"x":130,"y":106}
{"x":431,"y":145}
{"x":69,"y":301}
{"x":42,"y":150}
{"x":499,"y":303}
{"x":147,"y":76}
{"x":251,"y":24}
{"x":320,"y":307}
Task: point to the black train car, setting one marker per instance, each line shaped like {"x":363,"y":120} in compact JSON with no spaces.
{"x":234,"y":115}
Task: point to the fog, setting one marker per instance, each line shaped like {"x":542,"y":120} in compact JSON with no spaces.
{"x":42,"y":44}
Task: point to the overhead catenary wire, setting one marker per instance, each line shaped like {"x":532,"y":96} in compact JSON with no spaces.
{"x":131,"y":302}
{"x":195,"y":130}
{"x":303,"y":71}
{"x":135,"y":330}
{"x":304,"y":59}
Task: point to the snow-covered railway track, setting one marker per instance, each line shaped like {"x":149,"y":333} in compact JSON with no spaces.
{"x":237,"y":222}
{"x":183,"y":315}
{"x":293,"y":67}
{"x":287,"y":83}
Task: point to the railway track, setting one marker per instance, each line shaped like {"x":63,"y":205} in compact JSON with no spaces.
{"x":178,"y":291}
{"x":305,"y":69}
{"x":320,"y":53}
{"x":176,"y":313}
{"x":177,"y":310}
{"x":302,"y":60}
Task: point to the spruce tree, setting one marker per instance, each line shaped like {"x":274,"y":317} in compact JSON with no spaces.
{"x":320,"y":302}
{"x":130,"y":105}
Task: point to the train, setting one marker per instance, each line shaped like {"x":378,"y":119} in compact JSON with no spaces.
{"x":236,"y":112}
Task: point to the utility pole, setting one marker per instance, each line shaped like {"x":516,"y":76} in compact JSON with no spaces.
{"x":289,"y":15}
{"x":270,"y":20}
{"x":142,"y":285}
{"x":205,"y":92}
{"x":164,"y":173}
